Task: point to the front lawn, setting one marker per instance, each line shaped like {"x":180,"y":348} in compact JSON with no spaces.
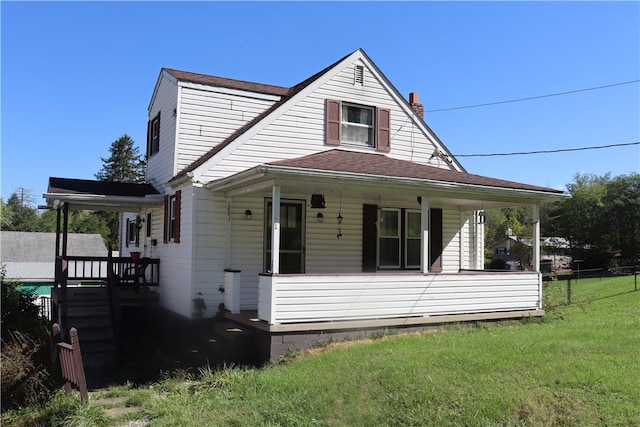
{"x":579,"y":365}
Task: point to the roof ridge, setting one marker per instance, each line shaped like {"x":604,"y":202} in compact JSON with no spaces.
{"x":212,"y":80}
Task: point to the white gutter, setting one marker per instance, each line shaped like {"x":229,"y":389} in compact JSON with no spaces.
{"x":261,"y":170}
{"x":98,"y":200}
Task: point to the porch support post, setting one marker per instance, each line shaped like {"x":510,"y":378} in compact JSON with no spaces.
{"x":275,"y":230}
{"x":536,"y":238}
{"x":227,"y":232}
{"x":425,"y":264}
{"x":65,"y":229}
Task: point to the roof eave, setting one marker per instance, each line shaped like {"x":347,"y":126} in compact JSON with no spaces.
{"x":474,"y":191}
{"x":102,"y":202}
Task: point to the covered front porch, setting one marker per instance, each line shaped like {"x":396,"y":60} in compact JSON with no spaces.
{"x":354,"y":270}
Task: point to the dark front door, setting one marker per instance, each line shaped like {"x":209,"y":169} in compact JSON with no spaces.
{"x":291,"y":237}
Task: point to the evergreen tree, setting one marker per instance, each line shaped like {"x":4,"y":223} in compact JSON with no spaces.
{"x":125,"y":164}
{"x":19,"y":214}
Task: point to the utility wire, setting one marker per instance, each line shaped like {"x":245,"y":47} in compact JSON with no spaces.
{"x":560,"y":150}
{"x":532,"y":97}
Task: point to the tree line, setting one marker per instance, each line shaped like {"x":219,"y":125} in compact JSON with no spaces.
{"x":124,"y":164}
{"x":600,"y":221}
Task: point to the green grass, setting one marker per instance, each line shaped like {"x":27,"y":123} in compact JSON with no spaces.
{"x":579,"y":366}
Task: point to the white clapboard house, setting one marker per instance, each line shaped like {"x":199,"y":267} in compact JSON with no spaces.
{"x":315,"y":211}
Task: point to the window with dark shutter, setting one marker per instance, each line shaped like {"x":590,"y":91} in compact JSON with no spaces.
{"x":383,"y":125}
{"x":332,"y":122}
{"x":178,"y":202}
{"x":172,"y":217}
{"x":357,"y":125}
{"x":127,"y":233}
{"x":435,"y":240}
{"x":153,"y":136}
{"x":369,"y":238}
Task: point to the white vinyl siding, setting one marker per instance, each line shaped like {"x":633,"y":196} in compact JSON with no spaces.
{"x":300,"y":130}
{"x":160,"y":166}
{"x":450,"y":240}
{"x":208,"y":248}
{"x":208,"y":117}
{"x":291,"y":299}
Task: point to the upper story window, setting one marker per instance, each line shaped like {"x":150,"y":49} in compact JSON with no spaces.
{"x":357,"y":125}
{"x":153,"y":136}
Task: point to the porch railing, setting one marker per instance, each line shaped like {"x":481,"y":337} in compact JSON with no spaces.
{"x":111,"y":272}
{"x":325,"y":298}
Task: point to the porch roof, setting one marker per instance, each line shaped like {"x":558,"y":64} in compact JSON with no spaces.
{"x":87,"y":194}
{"x":366,"y":169}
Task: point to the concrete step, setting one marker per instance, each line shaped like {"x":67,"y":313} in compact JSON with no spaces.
{"x":232,"y":332}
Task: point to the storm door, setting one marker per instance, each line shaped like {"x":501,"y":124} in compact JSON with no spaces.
{"x":292,"y":237}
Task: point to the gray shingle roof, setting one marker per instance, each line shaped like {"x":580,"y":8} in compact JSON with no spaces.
{"x":29,"y":255}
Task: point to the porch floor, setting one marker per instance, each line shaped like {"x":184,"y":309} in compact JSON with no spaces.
{"x":250,"y":319}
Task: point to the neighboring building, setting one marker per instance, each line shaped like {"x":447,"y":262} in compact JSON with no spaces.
{"x":323,"y":207}
{"x":516,"y":251}
{"x":28,"y":256}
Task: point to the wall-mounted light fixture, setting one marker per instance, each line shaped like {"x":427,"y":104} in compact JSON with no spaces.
{"x":317,"y":201}
{"x":247,"y":214}
{"x":320,"y":217}
{"x":482,"y":216}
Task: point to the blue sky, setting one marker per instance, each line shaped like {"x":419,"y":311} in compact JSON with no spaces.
{"x":75,"y":76}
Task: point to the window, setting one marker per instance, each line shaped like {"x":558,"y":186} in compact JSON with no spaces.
{"x":172,"y":217}
{"x":153,"y":136}
{"x":132,"y":231}
{"x":358,"y":125}
{"x":399,"y":239}
{"x":392,"y":238}
{"x":149,"y":225}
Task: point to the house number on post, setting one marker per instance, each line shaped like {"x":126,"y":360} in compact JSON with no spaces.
{"x":228,"y":210}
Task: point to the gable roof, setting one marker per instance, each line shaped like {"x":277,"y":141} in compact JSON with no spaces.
{"x":290,"y":92}
{"x":286,"y":97}
{"x":382,"y":165}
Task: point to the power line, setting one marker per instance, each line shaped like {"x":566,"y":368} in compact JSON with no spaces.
{"x":560,"y":150}
{"x":532,"y":97}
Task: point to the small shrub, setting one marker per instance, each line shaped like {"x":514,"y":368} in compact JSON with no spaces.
{"x":497,"y":264}
{"x":24,"y":381}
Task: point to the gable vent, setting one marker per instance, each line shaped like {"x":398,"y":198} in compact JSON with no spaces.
{"x":358,"y":75}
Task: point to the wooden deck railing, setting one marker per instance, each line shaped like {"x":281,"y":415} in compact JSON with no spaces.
{"x":112,"y":272}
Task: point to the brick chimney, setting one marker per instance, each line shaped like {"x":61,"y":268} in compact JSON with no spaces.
{"x":417,"y":107}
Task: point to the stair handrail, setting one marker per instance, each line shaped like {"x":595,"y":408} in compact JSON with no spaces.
{"x":112,"y":293}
